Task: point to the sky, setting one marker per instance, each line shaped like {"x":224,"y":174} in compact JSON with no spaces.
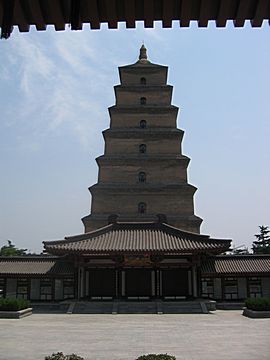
{"x":56,"y":87}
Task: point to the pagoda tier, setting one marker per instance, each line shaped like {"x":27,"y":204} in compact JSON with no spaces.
{"x":143,"y":171}
{"x":155,"y":117}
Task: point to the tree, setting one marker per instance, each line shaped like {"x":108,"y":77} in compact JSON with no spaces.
{"x":262,"y":244}
{"x":11,"y":250}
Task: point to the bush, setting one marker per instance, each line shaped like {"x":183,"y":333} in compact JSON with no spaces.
{"x":156,"y":357}
{"x":7,"y":304}
{"x":258,"y":304}
{"x":61,"y":356}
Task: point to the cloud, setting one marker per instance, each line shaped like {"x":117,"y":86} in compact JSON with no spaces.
{"x":55,"y":80}
{"x":34,"y":62}
{"x":62,"y":82}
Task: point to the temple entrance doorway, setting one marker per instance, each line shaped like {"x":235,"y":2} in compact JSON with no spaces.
{"x":138,"y":284}
{"x":174,"y":283}
{"x":102,"y":284}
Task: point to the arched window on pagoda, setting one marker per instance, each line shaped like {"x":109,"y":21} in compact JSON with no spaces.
{"x":142,"y":124}
{"x":142,"y":208}
{"x":143,"y":101}
{"x":143,"y":81}
{"x":142,"y":148}
{"x":142,"y":177}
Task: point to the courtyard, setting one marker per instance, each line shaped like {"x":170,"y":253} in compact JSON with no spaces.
{"x":221,"y":335}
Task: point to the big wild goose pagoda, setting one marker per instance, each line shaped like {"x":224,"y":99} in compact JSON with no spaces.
{"x":142,"y":239}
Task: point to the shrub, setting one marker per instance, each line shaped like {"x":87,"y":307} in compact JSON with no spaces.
{"x":56,"y":356}
{"x":258,"y":304}
{"x":156,"y":357}
{"x":61,"y":356}
{"x":7,"y":304}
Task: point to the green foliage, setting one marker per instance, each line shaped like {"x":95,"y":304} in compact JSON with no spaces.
{"x":156,"y":357}
{"x":262,"y":245}
{"x":258,"y":304}
{"x":61,"y":356}
{"x":7,"y":304}
{"x":11,"y":250}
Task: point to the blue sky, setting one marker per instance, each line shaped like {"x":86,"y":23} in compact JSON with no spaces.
{"x":55,"y":90}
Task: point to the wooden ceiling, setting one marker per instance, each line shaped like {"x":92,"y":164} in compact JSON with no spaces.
{"x":59,"y":13}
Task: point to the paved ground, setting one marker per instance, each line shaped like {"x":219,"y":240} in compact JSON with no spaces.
{"x":219,"y":336}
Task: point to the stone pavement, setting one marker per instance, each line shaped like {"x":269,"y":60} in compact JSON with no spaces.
{"x":223,"y":335}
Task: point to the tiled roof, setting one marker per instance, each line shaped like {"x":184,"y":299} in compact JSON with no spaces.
{"x":236,"y":264}
{"x":60,"y":13}
{"x":137,"y":238}
{"x":34,"y":266}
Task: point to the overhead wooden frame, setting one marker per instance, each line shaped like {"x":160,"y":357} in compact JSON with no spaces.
{"x":59,"y":13}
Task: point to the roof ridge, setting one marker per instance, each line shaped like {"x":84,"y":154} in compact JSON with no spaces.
{"x":27,"y":258}
{"x":235,"y":256}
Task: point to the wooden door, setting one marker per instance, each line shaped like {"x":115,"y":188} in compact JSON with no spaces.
{"x":174,"y":282}
{"x":102,"y":283}
{"x":138,"y":282}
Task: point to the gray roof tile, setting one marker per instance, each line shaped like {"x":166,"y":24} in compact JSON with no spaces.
{"x":34,"y":266}
{"x":136,"y":238}
{"x":237,"y":264}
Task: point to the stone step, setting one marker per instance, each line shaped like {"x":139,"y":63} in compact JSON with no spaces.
{"x":182,"y":308}
{"x":138,"y":307}
{"x":93,"y":307}
{"x":44,"y":308}
{"x":131,"y":307}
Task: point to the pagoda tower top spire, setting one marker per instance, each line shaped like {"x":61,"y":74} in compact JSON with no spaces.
{"x":143,"y":54}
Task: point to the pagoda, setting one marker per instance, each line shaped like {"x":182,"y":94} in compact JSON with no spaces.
{"x":143,"y":171}
{"x":142,"y":239}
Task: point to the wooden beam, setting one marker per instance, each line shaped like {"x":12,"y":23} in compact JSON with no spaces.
{"x":204,"y":13}
{"x":1,"y":11}
{"x":19,"y":17}
{"x":93,"y":14}
{"x":26,"y":11}
{"x":111,"y":14}
{"x":167,"y":13}
{"x":75,"y":19}
{"x":38,"y":18}
{"x":242,"y":12}
{"x":61,"y":12}
{"x":223,"y":13}
{"x":65,"y":8}
{"x":7,"y":19}
{"x":56,"y":14}
{"x":130,"y":13}
{"x":262,"y":9}
{"x":148,"y":10}
{"x":185,"y":13}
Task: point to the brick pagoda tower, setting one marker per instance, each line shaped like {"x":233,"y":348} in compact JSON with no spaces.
{"x":143,"y":172}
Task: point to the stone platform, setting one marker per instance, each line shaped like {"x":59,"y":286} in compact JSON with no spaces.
{"x":222,"y":335}
{"x":127,"y":307}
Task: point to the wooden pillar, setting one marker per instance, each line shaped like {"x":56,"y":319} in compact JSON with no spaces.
{"x":123,"y":283}
{"x":194,"y":280}
{"x":190,"y":290}
{"x":87,"y":283}
{"x":157,"y":283}
{"x":116,"y":283}
{"x":153,"y":283}
{"x":80,"y":282}
{"x":160,"y":283}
